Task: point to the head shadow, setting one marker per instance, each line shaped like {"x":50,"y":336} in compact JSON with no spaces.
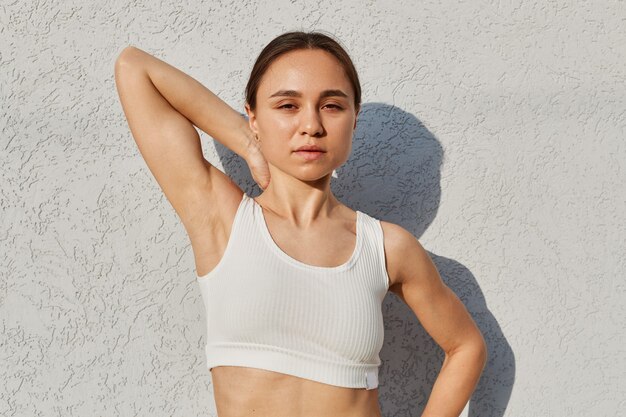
{"x":394,"y":174}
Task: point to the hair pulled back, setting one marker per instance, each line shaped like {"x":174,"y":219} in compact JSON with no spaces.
{"x":291,"y":41}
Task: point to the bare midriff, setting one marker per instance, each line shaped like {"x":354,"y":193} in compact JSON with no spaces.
{"x":247,"y":392}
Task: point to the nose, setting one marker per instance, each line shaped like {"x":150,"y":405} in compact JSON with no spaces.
{"x":310,"y":122}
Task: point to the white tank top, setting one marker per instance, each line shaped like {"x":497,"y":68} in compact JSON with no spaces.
{"x":267,"y":310}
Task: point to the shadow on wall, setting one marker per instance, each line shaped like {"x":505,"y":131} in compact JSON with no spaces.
{"x":393,"y":174}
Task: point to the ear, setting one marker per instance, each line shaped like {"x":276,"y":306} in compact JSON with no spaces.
{"x":358,"y":110}
{"x":251,"y":119}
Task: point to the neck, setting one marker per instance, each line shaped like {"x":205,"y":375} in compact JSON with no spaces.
{"x":301,"y":202}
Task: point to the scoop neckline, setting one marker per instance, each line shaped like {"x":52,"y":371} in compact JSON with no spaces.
{"x":288,"y":258}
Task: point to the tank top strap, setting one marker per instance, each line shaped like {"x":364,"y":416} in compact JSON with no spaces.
{"x":241,"y":222}
{"x":243,"y":214}
{"x":373,"y":235}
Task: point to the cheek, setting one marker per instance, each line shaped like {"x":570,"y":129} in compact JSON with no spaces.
{"x":274,"y":120}
{"x":346,"y":132}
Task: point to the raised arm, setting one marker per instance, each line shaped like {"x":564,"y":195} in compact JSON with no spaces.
{"x":162,"y":104}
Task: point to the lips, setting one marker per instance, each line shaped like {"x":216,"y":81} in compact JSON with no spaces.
{"x":310,"y":148}
{"x":310,"y":155}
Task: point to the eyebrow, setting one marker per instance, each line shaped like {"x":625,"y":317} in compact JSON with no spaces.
{"x":294,"y":93}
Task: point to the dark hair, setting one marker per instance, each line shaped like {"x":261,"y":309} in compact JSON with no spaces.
{"x":291,"y":41}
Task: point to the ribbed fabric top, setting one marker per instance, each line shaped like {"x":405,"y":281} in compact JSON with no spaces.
{"x":267,"y":310}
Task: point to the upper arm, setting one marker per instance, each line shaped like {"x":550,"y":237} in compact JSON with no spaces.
{"x":167,"y":141}
{"x":419,"y":285}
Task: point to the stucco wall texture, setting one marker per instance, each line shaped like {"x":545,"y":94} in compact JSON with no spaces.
{"x":492,"y":130}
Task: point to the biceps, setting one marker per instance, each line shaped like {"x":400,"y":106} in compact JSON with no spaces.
{"x":439,"y":310}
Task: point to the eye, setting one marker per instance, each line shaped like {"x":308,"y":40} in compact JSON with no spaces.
{"x":291,"y":106}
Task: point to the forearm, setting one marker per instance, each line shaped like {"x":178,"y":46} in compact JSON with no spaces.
{"x":193,"y":100}
{"x":455,"y":383}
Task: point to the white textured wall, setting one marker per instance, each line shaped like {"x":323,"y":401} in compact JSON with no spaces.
{"x":494,"y":131}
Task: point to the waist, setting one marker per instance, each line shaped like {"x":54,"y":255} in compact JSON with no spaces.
{"x":244,"y":391}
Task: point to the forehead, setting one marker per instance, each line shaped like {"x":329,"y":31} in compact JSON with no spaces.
{"x":308,"y":71}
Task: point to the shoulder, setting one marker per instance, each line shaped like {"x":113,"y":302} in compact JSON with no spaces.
{"x":403,"y":253}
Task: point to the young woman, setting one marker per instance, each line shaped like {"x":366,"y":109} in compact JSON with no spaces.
{"x":292,"y":280}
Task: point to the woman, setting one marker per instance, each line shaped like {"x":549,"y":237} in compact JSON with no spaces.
{"x":292,"y":280}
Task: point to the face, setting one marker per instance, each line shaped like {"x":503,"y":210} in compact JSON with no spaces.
{"x":304,"y":98}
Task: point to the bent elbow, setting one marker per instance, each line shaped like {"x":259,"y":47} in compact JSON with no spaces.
{"x":125,"y":57}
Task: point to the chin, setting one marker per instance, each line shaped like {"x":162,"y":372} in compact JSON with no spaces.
{"x":312,"y":175}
